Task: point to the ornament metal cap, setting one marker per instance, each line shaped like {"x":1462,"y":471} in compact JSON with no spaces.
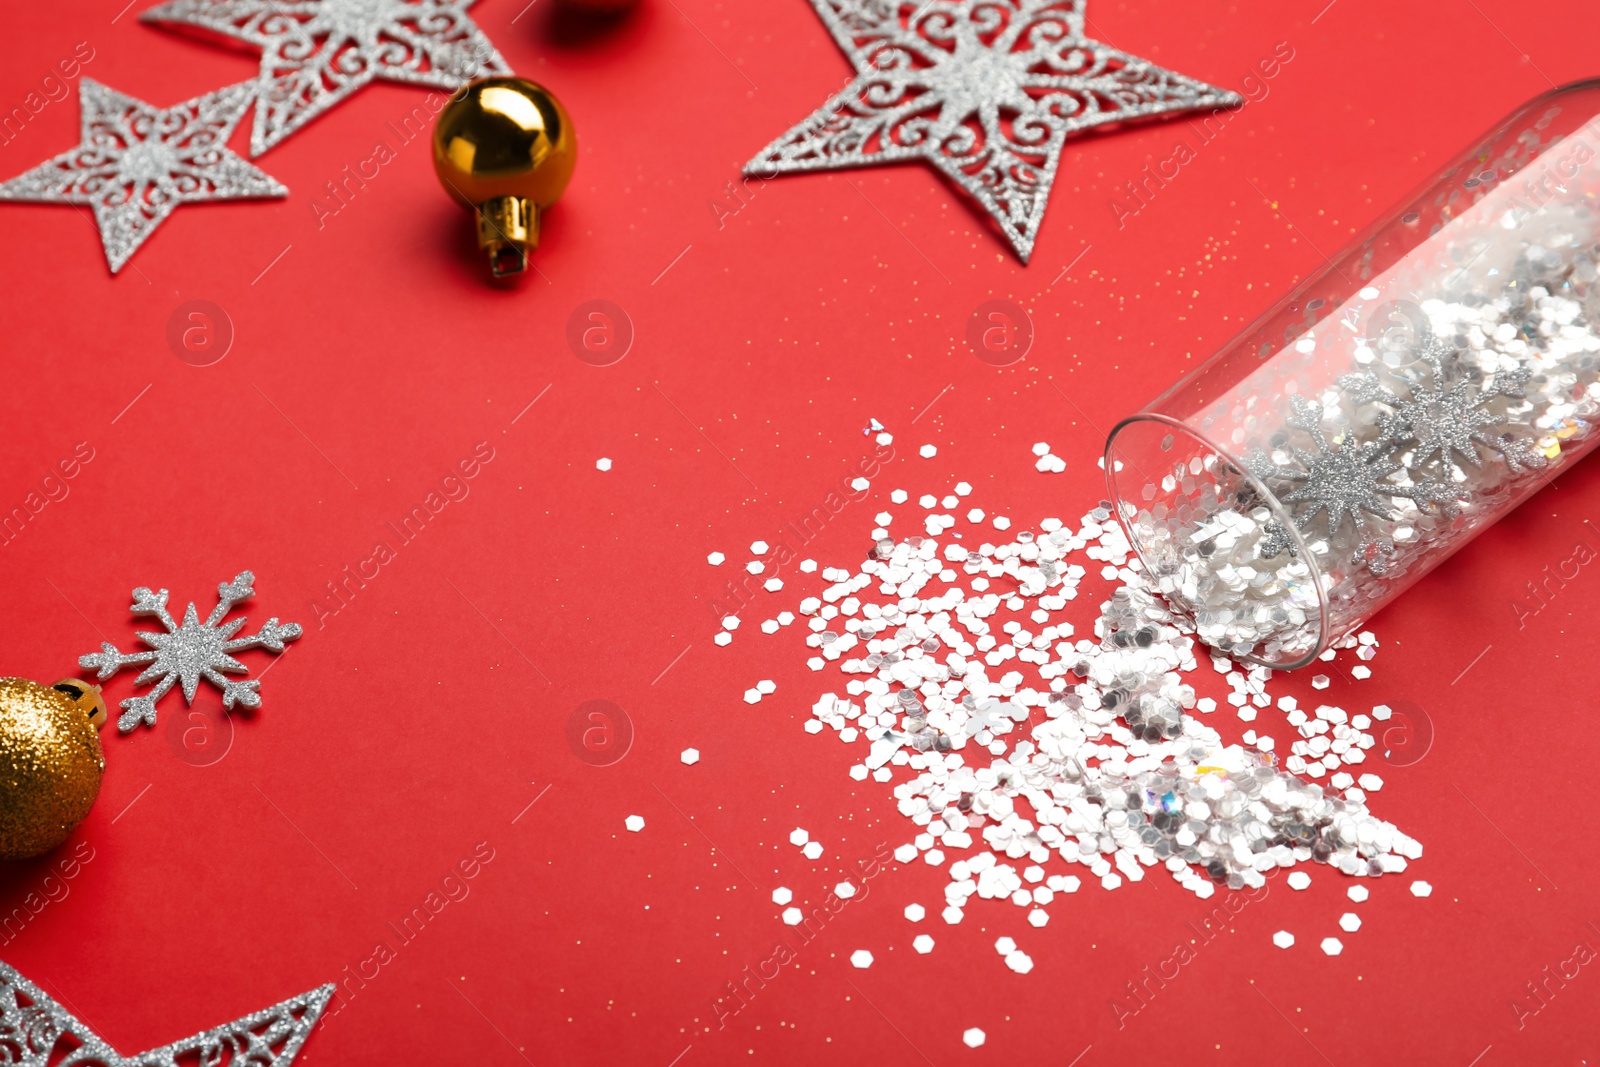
{"x":86,"y":695}
{"x":505,"y":147}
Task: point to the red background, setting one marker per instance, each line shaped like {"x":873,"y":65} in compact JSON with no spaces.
{"x":414,"y":724}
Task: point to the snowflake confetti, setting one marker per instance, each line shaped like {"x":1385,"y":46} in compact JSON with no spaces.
{"x":1344,"y":479}
{"x":192,"y":651}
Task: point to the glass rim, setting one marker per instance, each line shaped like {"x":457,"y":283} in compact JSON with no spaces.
{"x":1279,"y":511}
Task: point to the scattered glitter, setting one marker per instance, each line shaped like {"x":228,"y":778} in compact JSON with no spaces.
{"x":1283,"y":939}
{"x":973,"y":1037}
{"x":634,"y":823}
{"x":690,"y":756}
{"x":782,"y":896}
{"x":602,"y":464}
{"x":922,"y":943}
{"x":1022,"y":730}
{"x":1421,"y":889}
{"x":861,"y":959}
{"x":716,"y":559}
{"x":1349,"y":922}
{"x":927,"y":451}
{"x":1332,"y":946}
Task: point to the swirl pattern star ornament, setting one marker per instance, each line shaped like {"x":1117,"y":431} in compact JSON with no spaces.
{"x":35,"y":1031}
{"x":136,"y":163}
{"x":985,"y":90}
{"x":315,"y":53}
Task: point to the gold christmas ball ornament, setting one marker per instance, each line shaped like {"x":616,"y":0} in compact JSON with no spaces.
{"x":50,"y":762}
{"x":505,"y":147}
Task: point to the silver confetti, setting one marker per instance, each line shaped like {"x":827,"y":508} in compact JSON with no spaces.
{"x":35,"y":1031}
{"x":315,"y":53}
{"x":136,"y":163}
{"x":985,"y":90}
{"x":189,"y":652}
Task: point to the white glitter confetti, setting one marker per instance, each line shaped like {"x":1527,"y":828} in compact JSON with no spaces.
{"x":973,"y":1037}
{"x":1283,"y":939}
{"x":1019,"y":961}
{"x":716,"y":559}
{"x":602,"y":464}
{"x":1421,"y":889}
{"x":927,"y":451}
{"x":782,"y":896}
{"x":1332,"y":946}
{"x":970,"y":684}
{"x":922,"y":943}
{"x":861,"y":959}
{"x":635,"y":823}
{"x":1349,"y":922}
{"x":690,"y":756}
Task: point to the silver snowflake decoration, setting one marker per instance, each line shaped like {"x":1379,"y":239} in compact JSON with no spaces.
{"x":1449,"y":422}
{"x":192,"y":651}
{"x":315,"y":53}
{"x":35,"y":1031}
{"x":1345,"y":480}
{"x":136,"y":163}
{"x":985,"y":90}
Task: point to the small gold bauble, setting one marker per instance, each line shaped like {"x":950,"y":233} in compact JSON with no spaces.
{"x":50,"y":762}
{"x":505,"y":147}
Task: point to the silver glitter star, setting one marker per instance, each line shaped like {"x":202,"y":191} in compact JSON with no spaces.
{"x":136,"y":163}
{"x":35,"y":1031}
{"x":985,"y":90}
{"x":314,"y":53}
{"x":192,"y":651}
